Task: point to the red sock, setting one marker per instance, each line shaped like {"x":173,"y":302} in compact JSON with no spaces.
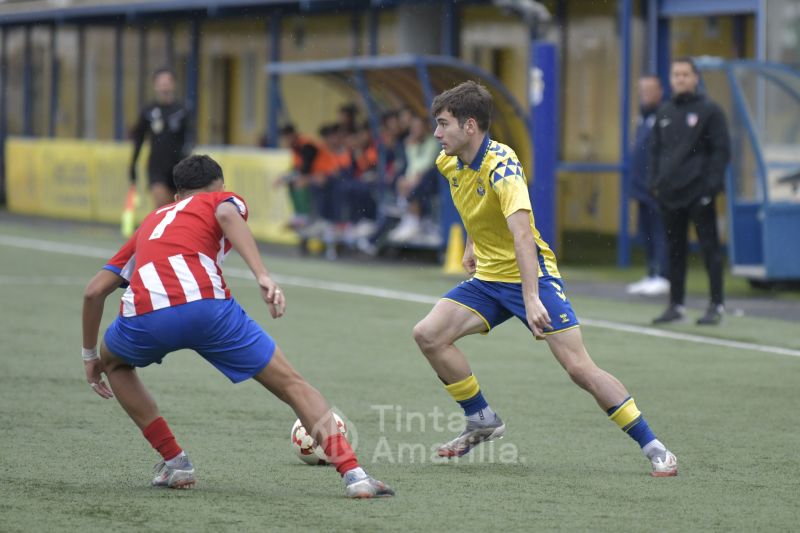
{"x":340,"y":453}
{"x":162,"y":439}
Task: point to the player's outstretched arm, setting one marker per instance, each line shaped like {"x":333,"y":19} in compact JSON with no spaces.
{"x":519,"y":223}
{"x":238,"y":233}
{"x":94,"y":298}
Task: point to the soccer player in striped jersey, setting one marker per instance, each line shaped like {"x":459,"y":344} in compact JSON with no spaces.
{"x":514,"y":273}
{"x":176,"y":298}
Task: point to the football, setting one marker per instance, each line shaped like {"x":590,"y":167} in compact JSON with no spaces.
{"x":304,"y":446}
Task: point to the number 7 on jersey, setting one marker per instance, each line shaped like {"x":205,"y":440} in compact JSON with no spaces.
{"x":172,"y":212}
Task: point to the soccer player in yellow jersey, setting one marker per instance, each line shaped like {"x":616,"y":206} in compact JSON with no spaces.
{"x":514,"y":273}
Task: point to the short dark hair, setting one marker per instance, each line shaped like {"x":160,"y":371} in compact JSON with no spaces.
{"x":196,"y":172}
{"x":328,"y":129}
{"x":163,"y":70}
{"x":467,"y":100}
{"x":688,"y":61}
{"x":349,"y":109}
{"x":287,"y":129}
{"x":386,"y":116}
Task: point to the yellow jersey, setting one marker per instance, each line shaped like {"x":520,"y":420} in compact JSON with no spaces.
{"x":486,"y":192}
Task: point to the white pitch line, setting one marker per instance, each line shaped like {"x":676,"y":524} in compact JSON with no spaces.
{"x":335,"y":286}
{"x":655,"y":332}
{"x":43,"y":280}
{"x":389,"y":294}
{"x":57,"y":247}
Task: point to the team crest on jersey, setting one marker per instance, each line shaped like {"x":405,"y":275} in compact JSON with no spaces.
{"x":691,"y":120}
{"x":481,"y":191}
{"x":454,"y":181}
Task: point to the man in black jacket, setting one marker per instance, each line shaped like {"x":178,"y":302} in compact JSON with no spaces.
{"x":166,"y":121}
{"x":690,"y":149}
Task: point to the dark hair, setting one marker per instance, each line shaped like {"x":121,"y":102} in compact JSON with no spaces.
{"x":195,"y":172}
{"x":467,"y":100}
{"x":349,"y":109}
{"x":328,"y":129}
{"x":287,"y":129}
{"x":163,"y":70}
{"x":386,"y":116}
{"x":686,"y":60}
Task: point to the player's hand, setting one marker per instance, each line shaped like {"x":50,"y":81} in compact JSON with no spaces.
{"x":537,"y":316}
{"x":273,"y":296}
{"x":468,"y":262}
{"x":94,"y":375}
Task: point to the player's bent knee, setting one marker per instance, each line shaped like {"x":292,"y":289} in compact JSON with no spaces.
{"x":300,"y":394}
{"x":425,"y":337}
{"x":291,"y":388}
{"x":297,"y":387}
{"x":582,"y":374}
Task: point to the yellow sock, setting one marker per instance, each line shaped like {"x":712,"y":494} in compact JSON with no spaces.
{"x":468,"y":394}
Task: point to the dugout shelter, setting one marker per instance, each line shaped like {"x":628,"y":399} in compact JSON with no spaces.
{"x":762,"y":102}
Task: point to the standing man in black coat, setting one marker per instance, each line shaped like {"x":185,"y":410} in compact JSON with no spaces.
{"x":690,"y":150}
{"x":166,"y":121}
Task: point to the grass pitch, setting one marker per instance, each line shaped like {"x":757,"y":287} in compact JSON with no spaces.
{"x":70,"y":461}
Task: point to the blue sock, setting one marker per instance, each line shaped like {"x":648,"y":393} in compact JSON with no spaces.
{"x":630,"y":420}
{"x":641,"y":432}
{"x":468,"y":394}
{"x":474,"y":404}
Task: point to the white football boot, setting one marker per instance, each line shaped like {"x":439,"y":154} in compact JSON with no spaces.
{"x":474,"y":434}
{"x":180,"y":477}
{"x":664,"y":465}
{"x":359,"y":484}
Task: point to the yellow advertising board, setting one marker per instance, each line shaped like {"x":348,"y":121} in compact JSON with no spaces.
{"x":88,"y":180}
{"x":253,"y":174}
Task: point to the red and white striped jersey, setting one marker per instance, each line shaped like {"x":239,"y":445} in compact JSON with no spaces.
{"x":176,"y":255}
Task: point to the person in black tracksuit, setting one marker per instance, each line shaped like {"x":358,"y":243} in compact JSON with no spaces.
{"x":689,"y":153}
{"x":167,"y":123}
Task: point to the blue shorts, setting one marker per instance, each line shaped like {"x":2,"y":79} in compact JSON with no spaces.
{"x":496,"y":301}
{"x":219,"y":330}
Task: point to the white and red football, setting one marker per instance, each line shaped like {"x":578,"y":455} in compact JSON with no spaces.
{"x":306,"y":448}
